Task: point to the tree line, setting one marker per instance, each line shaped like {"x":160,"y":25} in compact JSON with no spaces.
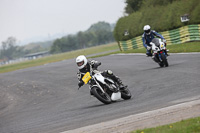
{"x":97,"y":34}
{"x":161,"y":15}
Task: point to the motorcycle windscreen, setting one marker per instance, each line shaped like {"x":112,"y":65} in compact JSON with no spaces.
{"x":156,"y":42}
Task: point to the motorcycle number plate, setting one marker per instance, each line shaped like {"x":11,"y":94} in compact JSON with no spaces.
{"x":86,"y":77}
{"x":162,"y":46}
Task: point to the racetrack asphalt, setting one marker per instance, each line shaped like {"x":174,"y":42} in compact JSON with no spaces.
{"x":45,"y":99}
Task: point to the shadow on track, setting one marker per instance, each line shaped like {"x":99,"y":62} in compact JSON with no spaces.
{"x":93,"y":106}
{"x":104,"y":105}
{"x":156,"y":68}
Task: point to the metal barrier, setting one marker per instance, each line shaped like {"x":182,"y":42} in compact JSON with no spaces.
{"x":181,"y":35}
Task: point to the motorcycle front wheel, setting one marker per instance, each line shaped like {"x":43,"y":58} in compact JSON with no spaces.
{"x":161,"y":64}
{"x":164,"y":60}
{"x":103,"y":97}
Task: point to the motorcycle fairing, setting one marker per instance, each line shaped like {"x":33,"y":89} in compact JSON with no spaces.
{"x":116,"y":96}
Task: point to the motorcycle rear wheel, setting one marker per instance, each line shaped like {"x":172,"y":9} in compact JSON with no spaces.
{"x":126,"y":94}
{"x":103,"y":97}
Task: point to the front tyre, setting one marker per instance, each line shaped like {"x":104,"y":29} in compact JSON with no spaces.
{"x":161,"y":64}
{"x":164,"y":59}
{"x":126,"y":94}
{"x":103,"y":97}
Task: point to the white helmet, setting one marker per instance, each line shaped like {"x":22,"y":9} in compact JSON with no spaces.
{"x":147,"y":29}
{"x":81,"y":61}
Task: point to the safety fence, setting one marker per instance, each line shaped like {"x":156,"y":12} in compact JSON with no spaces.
{"x":181,"y":35}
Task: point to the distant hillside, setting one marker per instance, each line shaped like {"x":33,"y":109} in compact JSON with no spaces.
{"x":38,"y":46}
{"x":97,"y":34}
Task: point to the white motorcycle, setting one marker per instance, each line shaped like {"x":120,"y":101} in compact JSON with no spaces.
{"x":105,"y":89}
{"x":159,"y":52}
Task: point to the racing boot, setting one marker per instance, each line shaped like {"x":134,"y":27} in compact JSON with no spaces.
{"x":149,"y":55}
{"x":166,"y":50}
{"x":115,"y":78}
{"x":121,"y":85}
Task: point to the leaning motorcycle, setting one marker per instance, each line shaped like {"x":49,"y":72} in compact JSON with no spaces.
{"x":159,"y":52}
{"x":105,"y":89}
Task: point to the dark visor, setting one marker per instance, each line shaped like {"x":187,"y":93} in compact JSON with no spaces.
{"x":147,"y":31}
{"x":80,"y":63}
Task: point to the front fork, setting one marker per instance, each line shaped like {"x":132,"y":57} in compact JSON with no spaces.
{"x":99,"y":86}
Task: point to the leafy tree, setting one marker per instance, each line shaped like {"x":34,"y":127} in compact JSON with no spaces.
{"x":100,"y":26}
{"x":82,"y":39}
{"x":10,"y":51}
{"x":161,"y":15}
{"x":8,"y":48}
{"x":133,"y":5}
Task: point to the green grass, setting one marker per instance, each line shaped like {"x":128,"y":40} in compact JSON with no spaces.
{"x":184,"y":126}
{"x":58,"y":57}
{"x":177,"y":48}
{"x":186,"y":47}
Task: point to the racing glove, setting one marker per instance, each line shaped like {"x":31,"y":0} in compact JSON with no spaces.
{"x":164,"y":40}
{"x":81,"y":83}
{"x":148,"y":47}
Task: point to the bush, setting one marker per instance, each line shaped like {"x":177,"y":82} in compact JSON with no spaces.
{"x":161,"y":16}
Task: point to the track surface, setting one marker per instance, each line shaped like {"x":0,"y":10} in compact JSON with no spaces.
{"x":45,"y":98}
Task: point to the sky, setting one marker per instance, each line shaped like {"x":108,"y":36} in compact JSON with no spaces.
{"x":28,"y":20}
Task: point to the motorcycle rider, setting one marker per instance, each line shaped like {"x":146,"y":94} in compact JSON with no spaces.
{"x":148,"y":36}
{"x":85,"y":66}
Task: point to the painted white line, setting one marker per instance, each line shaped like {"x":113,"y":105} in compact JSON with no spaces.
{"x":148,"y":119}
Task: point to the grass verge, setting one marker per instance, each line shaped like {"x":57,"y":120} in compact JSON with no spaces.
{"x":58,"y":57}
{"x":184,"y":126}
{"x":186,"y":47}
{"x":177,"y":48}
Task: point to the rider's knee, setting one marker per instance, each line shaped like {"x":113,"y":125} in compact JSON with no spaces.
{"x":109,"y":72}
{"x":148,"y":53}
